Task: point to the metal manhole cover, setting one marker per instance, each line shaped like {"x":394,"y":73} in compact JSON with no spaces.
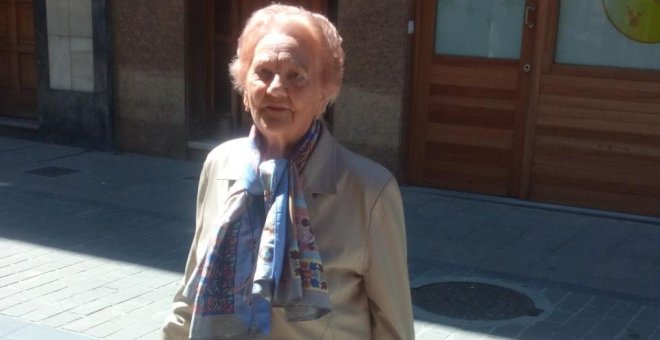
{"x":52,"y":171}
{"x":473,"y":301}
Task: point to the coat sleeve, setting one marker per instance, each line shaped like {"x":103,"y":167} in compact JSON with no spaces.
{"x":177,"y":324}
{"x":386,"y":273}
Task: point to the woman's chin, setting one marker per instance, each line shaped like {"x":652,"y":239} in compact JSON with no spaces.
{"x":274,"y":125}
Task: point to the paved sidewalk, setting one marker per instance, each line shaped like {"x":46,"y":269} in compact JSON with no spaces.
{"x":595,"y":275}
{"x":92,"y":245}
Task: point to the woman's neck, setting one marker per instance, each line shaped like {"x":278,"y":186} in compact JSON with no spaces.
{"x":274,"y":148}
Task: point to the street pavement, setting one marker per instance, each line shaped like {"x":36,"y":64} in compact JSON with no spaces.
{"x":93,"y":245}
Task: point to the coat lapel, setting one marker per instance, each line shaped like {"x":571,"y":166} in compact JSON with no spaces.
{"x":232,"y":166}
{"x":319,"y":175}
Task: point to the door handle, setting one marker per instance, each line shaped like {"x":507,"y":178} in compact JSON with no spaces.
{"x":528,"y":9}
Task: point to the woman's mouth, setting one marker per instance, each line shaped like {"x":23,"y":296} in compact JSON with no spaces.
{"x":276,"y":108}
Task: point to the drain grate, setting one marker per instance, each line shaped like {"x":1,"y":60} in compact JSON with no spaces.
{"x":52,"y":171}
{"x":473,"y":301}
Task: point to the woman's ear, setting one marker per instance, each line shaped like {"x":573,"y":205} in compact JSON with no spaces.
{"x":323,"y":103}
{"x":246,"y":105}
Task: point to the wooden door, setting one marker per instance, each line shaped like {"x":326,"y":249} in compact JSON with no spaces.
{"x":223,"y":117}
{"x":596,"y":116}
{"x":18,"y":68}
{"x":470,"y":95}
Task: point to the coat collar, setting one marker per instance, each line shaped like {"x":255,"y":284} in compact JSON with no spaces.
{"x":319,"y":175}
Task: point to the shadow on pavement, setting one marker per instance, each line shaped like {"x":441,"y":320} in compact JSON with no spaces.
{"x":96,"y":229}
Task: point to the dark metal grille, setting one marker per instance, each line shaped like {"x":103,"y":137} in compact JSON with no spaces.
{"x":473,"y":301}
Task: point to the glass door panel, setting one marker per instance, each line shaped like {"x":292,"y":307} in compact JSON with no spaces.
{"x":591,"y":32}
{"x":479,"y":28}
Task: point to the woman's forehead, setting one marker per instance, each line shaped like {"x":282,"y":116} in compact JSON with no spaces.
{"x":282,"y":47}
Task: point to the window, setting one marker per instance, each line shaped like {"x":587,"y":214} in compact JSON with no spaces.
{"x":479,"y":28}
{"x":588,"y":36}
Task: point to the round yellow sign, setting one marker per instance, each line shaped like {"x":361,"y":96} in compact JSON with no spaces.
{"x":637,"y":19}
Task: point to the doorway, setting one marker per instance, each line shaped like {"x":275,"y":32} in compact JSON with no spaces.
{"x":215,"y":110}
{"x":18,"y":67}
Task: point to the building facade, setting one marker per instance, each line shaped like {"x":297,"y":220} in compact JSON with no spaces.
{"x":551,"y":101}
{"x":542,"y":100}
{"x":55,"y":71}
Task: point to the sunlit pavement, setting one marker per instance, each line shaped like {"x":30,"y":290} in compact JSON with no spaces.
{"x":93,"y":244}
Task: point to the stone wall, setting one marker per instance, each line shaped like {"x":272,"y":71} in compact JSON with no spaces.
{"x":368,"y":113}
{"x":149,"y":70}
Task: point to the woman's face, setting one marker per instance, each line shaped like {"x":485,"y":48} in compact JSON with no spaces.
{"x":283,"y":89}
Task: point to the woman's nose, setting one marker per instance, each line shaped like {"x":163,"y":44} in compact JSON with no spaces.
{"x":276,"y":87}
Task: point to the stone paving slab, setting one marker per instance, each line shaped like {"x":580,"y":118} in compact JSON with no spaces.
{"x":99,"y":253}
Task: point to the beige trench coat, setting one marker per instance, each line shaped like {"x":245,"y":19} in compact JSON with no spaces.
{"x":357,"y":216}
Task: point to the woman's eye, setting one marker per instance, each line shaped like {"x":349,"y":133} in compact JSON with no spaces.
{"x":296,"y":77}
{"x":264,"y":73}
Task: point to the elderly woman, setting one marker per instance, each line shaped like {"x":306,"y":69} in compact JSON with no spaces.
{"x":297,"y":237}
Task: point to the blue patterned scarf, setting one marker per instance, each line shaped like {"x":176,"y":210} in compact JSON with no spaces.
{"x":264,"y":253}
